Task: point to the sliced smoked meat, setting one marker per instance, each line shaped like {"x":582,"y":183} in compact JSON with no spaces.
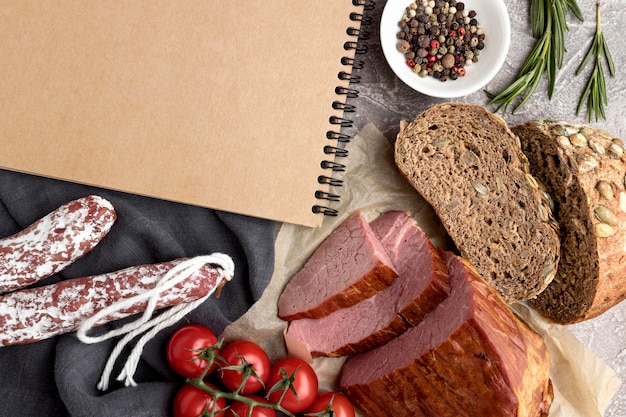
{"x":470,"y":357}
{"x":421,"y":285}
{"x":349,"y":266}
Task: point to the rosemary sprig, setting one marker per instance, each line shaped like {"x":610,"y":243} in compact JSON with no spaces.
{"x":595,"y":92}
{"x":549,"y":24}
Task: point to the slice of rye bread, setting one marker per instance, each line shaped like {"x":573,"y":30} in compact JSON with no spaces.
{"x":421,"y":285}
{"x":470,"y":167}
{"x":584,"y":170}
{"x":349,"y":266}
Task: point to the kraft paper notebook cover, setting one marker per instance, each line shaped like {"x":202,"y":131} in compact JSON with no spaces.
{"x":219,"y":104}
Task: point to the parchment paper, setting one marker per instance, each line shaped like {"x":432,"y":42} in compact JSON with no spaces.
{"x":583,"y":384}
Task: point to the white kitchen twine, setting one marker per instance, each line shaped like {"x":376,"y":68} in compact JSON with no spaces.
{"x":146,"y":323}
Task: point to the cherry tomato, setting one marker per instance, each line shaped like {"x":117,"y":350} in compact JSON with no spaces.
{"x":192,"y":402}
{"x":330,"y":404}
{"x":254,"y":363}
{"x":302,"y":378}
{"x":183,"y":350}
{"x":241,"y":409}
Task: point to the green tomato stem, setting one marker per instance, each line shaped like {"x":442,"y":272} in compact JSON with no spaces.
{"x":210,"y":355}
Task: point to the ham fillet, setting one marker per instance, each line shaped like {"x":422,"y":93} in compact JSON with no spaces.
{"x":470,"y":357}
{"x":421,"y":285}
{"x":349,"y":266}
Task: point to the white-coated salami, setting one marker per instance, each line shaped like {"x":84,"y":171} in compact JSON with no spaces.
{"x":34,"y":314}
{"x":53,"y":242}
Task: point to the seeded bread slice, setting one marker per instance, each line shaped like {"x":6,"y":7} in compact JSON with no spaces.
{"x":584,"y":170}
{"x":469,"y":166}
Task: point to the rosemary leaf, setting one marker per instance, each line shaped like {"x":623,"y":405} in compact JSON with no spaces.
{"x":573,"y":7}
{"x":541,"y":49}
{"x":548,"y":24}
{"x":590,"y":54}
{"x":537,"y":17}
{"x":595,"y":94}
{"x":584,"y":96}
{"x":607,"y":55}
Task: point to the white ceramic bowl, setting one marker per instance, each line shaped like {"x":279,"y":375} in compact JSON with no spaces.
{"x":494,"y":18}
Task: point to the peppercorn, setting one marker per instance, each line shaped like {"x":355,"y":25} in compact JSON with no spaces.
{"x":447,"y":61}
{"x":442,"y":38}
{"x":404,"y":46}
{"x":423,"y":41}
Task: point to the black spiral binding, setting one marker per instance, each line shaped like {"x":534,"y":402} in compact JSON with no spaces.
{"x":359,"y":48}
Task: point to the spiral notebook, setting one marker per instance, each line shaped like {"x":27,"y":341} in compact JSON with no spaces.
{"x":237,"y":106}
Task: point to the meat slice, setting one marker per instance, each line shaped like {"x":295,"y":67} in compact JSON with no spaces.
{"x":421,"y":285}
{"x":349,"y":266}
{"x":470,"y":357}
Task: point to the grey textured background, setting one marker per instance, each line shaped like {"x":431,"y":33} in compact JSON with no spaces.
{"x":385,"y":100}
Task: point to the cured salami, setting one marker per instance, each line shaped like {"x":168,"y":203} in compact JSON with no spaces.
{"x":34,"y":314}
{"x":53,"y":242}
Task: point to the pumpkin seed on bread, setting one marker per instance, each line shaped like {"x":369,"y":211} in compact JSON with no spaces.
{"x":584,"y":170}
{"x":469,"y":166}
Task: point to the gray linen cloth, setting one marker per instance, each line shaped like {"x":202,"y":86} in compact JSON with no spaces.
{"x":58,"y":377}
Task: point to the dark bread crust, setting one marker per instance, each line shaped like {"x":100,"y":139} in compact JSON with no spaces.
{"x":572,"y":160}
{"x":469,"y":166}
